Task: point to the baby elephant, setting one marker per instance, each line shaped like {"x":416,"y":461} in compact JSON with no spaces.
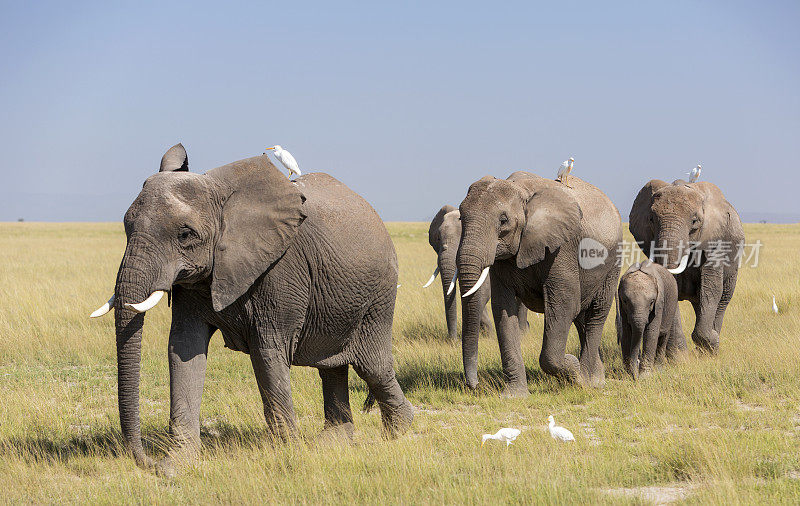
{"x":648,"y":318}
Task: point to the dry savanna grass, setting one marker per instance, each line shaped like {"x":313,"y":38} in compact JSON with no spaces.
{"x":720,"y":430}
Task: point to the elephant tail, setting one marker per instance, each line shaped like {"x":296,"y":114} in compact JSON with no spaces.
{"x":618,"y":319}
{"x":368,"y":403}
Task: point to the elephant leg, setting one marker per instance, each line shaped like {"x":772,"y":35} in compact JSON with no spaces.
{"x":593,"y":319}
{"x":271,"y":368}
{"x":728,"y":286}
{"x":336,"y":399}
{"x":522,"y":318}
{"x":560,"y":310}
{"x":676,"y":345}
{"x":374,"y":364}
{"x":650,"y":346}
{"x":505,"y":309}
{"x":710,"y":294}
{"x":187,"y":351}
{"x":396,"y":412}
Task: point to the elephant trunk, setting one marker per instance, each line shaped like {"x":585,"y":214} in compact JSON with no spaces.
{"x":672,"y":248}
{"x":632,"y":359}
{"x":132,"y":286}
{"x":129,"y":350}
{"x":447,"y":268}
{"x":471,"y":264}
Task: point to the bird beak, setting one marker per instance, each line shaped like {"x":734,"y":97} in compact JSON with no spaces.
{"x":483,"y":442}
{"x":269,"y":149}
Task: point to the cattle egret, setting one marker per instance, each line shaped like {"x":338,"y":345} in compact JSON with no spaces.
{"x":774,"y":306}
{"x":694,"y":173}
{"x":557,"y":432}
{"x":564,"y":170}
{"x":286,"y":159}
{"x":506,"y":434}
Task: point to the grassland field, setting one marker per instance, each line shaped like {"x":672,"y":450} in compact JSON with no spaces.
{"x":723,"y":429}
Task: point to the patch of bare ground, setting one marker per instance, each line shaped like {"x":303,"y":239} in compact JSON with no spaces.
{"x":666,"y":494}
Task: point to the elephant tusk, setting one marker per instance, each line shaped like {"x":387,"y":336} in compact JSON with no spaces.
{"x":433,"y":276}
{"x":148,"y":303}
{"x":105,"y":308}
{"x":682,"y":266}
{"x":477,"y":285}
{"x":452,"y":283}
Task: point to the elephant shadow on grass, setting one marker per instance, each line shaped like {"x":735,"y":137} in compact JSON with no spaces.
{"x":420,"y":377}
{"x":109,"y":443}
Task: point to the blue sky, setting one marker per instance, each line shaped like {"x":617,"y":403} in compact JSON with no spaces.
{"x":407,"y":103}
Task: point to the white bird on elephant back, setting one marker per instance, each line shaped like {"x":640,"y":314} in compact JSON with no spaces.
{"x":286,"y":159}
{"x":694,"y":173}
{"x":564,"y":170}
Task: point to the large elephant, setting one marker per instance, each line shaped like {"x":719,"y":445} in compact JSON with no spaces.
{"x":291,"y":273}
{"x":444,"y":236}
{"x":527,"y":231}
{"x":669,"y":220}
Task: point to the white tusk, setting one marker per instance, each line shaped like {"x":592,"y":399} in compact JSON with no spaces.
{"x":452,"y":283}
{"x":433,"y":276}
{"x":477,"y":285}
{"x":148,"y":303}
{"x":105,"y":308}
{"x":682,"y":266}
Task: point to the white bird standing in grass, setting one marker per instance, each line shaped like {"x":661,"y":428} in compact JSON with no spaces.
{"x":557,"y":432}
{"x":506,"y":434}
{"x":564,"y":170}
{"x":774,"y":305}
{"x":286,"y":159}
{"x":694,"y":173}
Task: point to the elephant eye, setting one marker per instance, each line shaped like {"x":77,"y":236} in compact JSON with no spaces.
{"x":186,"y":234}
{"x":503,"y":219}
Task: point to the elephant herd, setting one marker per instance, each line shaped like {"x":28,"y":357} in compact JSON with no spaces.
{"x":304,"y":272}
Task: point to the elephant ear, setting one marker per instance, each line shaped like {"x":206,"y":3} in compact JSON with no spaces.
{"x":552,"y":217}
{"x":260,"y":217}
{"x":175,"y":159}
{"x":720,"y":219}
{"x":639,"y":219}
{"x":433,"y":232}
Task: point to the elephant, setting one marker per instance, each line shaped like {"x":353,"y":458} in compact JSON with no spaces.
{"x":292,"y":273}
{"x":670,"y":221}
{"x":648,"y":318}
{"x":444,"y":235}
{"x":527,"y":231}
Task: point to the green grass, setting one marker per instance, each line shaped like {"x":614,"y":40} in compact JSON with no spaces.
{"x":722,"y":430}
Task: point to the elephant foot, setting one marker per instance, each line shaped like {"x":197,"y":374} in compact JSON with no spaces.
{"x":707,"y":342}
{"x":336,"y":433}
{"x":515,"y":391}
{"x":567,"y":369}
{"x":593,"y":373}
{"x":166,"y":468}
{"x":397,"y":421}
{"x":677,"y":355}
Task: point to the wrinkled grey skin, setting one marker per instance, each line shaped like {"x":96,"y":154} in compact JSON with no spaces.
{"x":444,"y":236}
{"x":527,"y":229}
{"x":291,"y":273}
{"x":649,"y":320}
{"x":670,"y":216}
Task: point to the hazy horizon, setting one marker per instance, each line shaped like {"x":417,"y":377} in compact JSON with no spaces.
{"x":406,"y":104}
